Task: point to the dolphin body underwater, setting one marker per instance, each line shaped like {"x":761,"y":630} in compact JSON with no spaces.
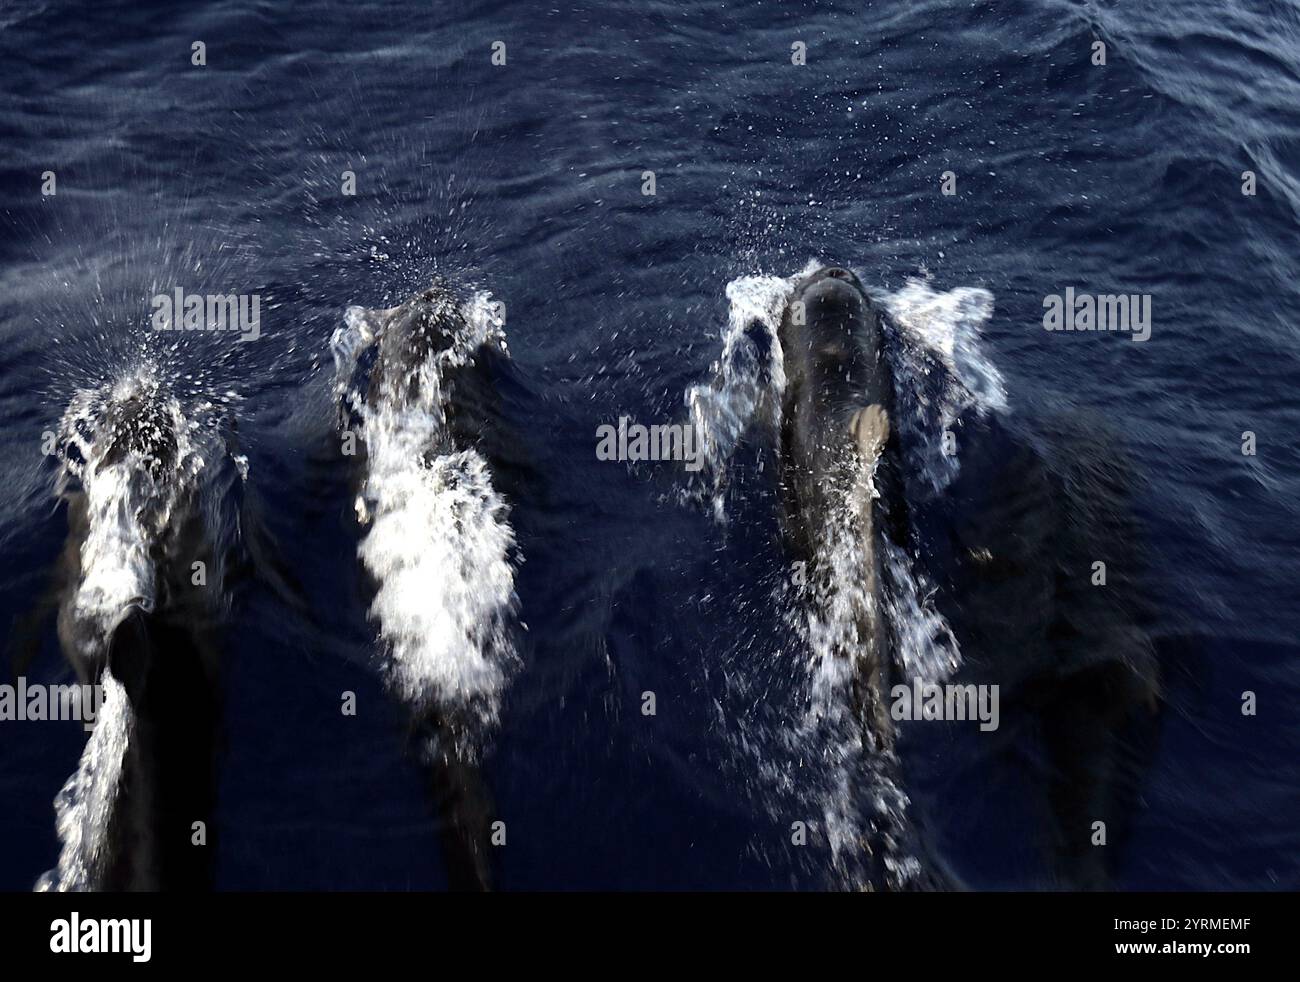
{"x":154,"y":537}
{"x":435,"y":545}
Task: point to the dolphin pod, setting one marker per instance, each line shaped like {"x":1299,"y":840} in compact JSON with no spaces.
{"x":416,"y":387}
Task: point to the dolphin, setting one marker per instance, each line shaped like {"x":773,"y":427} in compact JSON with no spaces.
{"x":161,"y":529}
{"x":835,"y":430}
{"x":431,"y":398}
{"x":132,"y":619}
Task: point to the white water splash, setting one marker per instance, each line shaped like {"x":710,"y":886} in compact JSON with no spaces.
{"x":862,"y":790}
{"x":924,"y":645}
{"x":741,"y":380}
{"x":860,"y":801}
{"x":941,"y":370}
{"x":84,"y":807}
{"x":129,"y":500}
{"x":439,"y":541}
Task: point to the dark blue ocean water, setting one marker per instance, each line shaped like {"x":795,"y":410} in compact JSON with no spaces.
{"x":525,"y":179}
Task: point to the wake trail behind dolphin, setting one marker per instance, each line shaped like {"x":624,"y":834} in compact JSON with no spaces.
{"x":84,"y":807}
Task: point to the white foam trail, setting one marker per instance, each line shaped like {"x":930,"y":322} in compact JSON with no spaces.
{"x":841,"y":604}
{"x":84,"y":807}
{"x":438,"y":548}
{"x":941,"y":351}
{"x":439,"y":542}
{"x":858,"y":797}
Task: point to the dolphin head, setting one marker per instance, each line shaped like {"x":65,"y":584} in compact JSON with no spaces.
{"x":426,"y":324}
{"x":833,"y":309}
{"x":838,"y":273}
{"x":413,"y":333}
{"x":832,"y":334}
{"x":137,"y":421}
